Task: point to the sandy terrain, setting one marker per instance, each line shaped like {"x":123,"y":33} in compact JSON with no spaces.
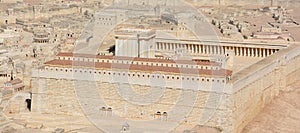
{"x":281,"y":116}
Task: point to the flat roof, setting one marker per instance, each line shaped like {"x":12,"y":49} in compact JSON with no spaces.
{"x":191,"y":62}
{"x":14,"y":82}
{"x":134,"y":67}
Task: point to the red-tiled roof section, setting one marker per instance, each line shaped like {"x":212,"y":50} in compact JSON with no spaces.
{"x":14,"y":82}
{"x":208,"y":63}
{"x":134,"y":67}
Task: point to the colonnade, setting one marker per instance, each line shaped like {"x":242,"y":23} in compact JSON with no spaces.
{"x":253,"y":52}
{"x":216,"y":49}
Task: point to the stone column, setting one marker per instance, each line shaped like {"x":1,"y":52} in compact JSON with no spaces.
{"x":222,"y":50}
{"x":200,"y":49}
{"x":256,"y":52}
{"x":241,"y":51}
{"x":271,"y":51}
{"x":235,"y":50}
{"x":215,"y":50}
{"x":188,"y":47}
{"x":174,"y":46}
{"x":207,"y":49}
{"x":248,"y":50}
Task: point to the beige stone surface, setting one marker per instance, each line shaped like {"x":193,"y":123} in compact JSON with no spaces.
{"x":280,"y":116}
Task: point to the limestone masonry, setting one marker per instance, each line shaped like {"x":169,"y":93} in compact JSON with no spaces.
{"x":153,"y":66}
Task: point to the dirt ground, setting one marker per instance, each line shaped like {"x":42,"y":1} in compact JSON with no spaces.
{"x":281,"y":116}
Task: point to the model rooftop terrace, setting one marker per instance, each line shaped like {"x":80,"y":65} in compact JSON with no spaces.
{"x":190,"y":67}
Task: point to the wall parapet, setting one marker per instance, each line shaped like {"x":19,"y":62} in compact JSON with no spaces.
{"x":257,"y":85}
{"x":276,"y":62}
{"x":188,"y":82}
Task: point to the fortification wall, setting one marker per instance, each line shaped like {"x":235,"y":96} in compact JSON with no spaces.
{"x":71,"y":97}
{"x":243,"y":97}
{"x":257,"y":85}
{"x":155,"y":79}
{"x":54,"y":96}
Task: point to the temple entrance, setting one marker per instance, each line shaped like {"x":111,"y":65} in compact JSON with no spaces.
{"x":28,"y":103}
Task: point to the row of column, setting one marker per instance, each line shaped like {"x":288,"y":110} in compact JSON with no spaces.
{"x":192,"y":48}
{"x":253,"y":52}
{"x":217,"y":50}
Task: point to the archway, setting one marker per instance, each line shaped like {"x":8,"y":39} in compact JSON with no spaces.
{"x":28,"y":102}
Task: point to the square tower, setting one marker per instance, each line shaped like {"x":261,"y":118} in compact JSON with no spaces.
{"x":135,"y":42}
